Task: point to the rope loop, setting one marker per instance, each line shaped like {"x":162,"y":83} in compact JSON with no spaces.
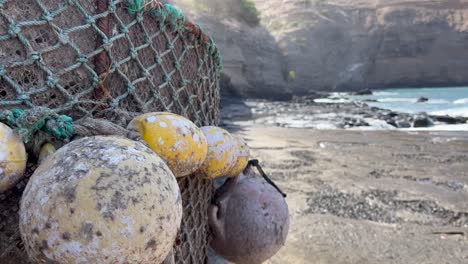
{"x":27,"y":123}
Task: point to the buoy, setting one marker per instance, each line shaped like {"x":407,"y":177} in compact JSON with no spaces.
{"x":250,"y":222}
{"x":222,"y":153}
{"x":101,"y":200}
{"x":242,"y":158}
{"x":12,"y":158}
{"x":174,"y":138}
{"x":46,"y":150}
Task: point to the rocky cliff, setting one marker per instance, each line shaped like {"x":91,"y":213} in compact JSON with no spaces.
{"x":300,"y":46}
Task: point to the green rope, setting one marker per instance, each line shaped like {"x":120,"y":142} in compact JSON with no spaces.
{"x":171,"y":14}
{"x":136,"y":6}
{"x":214,"y":52}
{"x":28,"y":122}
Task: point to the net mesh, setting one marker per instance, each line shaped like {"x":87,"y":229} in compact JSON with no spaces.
{"x":112,"y":60}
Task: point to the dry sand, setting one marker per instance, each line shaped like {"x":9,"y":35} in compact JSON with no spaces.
{"x":368,"y":197}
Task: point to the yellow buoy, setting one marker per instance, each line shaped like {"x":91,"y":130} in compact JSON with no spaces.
{"x":101,"y":200}
{"x":12,"y":158}
{"x":46,"y":150}
{"x":222,"y":153}
{"x":174,"y":138}
{"x":242,"y":158}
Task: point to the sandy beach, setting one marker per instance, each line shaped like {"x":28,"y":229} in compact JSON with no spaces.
{"x":368,"y":196}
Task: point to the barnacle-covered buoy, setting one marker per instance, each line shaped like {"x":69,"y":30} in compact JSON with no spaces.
{"x":250,"y":223}
{"x":12,"y":158}
{"x":174,"y":138}
{"x":222,"y":153}
{"x":242,"y":158}
{"x":101,"y":200}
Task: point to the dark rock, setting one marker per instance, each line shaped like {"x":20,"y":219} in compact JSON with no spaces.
{"x":403,"y":124}
{"x":234,"y":108}
{"x":392,"y":114}
{"x":399,"y":120}
{"x":363,"y":92}
{"x":227,"y":89}
{"x":422,"y":120}
{"x":422,"y":99}
{"x":358,"y":112}
{"x":391,"y":122}
{"x":306,"y":99}
{"x":349,"y":122}
{"x":361,"y":123}
{"x":370,"y":100}
{"x":450,"y":120}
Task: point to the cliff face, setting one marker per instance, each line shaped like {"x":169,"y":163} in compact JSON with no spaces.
{"x":424,"y":44}
{"x":251,"y":59}
{"x":306,"y":45}
{"x":348,"y":45}
{"x":253,"y":63}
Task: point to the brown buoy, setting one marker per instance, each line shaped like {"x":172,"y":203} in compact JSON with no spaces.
{"x":249,"y":219}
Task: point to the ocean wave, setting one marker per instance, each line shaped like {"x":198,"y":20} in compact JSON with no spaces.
{"x":412,"y":100}
{"x":385,"y":94}
{"x":332,"y":101}
{"x":397,"y":100}
{"x":338,"y":94}
{"x":461,"y":101}
{"x":453,"y":112}
{"x":438,"y":101}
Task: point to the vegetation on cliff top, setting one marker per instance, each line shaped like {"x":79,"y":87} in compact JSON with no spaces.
{"x":250,"y":12}
{"x":242,"y":10}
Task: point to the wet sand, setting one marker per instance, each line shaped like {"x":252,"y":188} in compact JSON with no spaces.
{"x":368,"y":196}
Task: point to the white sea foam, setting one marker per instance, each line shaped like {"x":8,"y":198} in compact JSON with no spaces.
{"x":337,"y":94}
{"x":332,"y":101}
{"x":385,"y":93}
{"x":397,"y":100}
{"x":437,"y":101}
{"x":461,"y":101}
{"x":463,"y":111}
{"x":412,"y":100}
{"x":374,"y":124}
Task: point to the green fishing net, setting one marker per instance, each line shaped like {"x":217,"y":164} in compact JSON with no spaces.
{"x":106,"y":59}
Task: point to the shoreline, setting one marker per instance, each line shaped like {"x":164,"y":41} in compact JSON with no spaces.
{"x":316,"y":112}
{"x":364,"y":197}
{"x":358,"y":196}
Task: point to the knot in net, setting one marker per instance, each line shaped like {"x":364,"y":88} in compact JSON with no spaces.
{"x":88,"y":60}
{"x":28,"y":122}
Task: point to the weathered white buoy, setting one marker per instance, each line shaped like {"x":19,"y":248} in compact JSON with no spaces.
{"x":101,"y":200}
{"x":12,"y":158}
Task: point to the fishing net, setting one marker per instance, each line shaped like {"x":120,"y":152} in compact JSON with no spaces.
{"x":109,"y":60}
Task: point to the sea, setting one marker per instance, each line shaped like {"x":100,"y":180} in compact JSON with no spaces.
{"x":452,"y":101}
